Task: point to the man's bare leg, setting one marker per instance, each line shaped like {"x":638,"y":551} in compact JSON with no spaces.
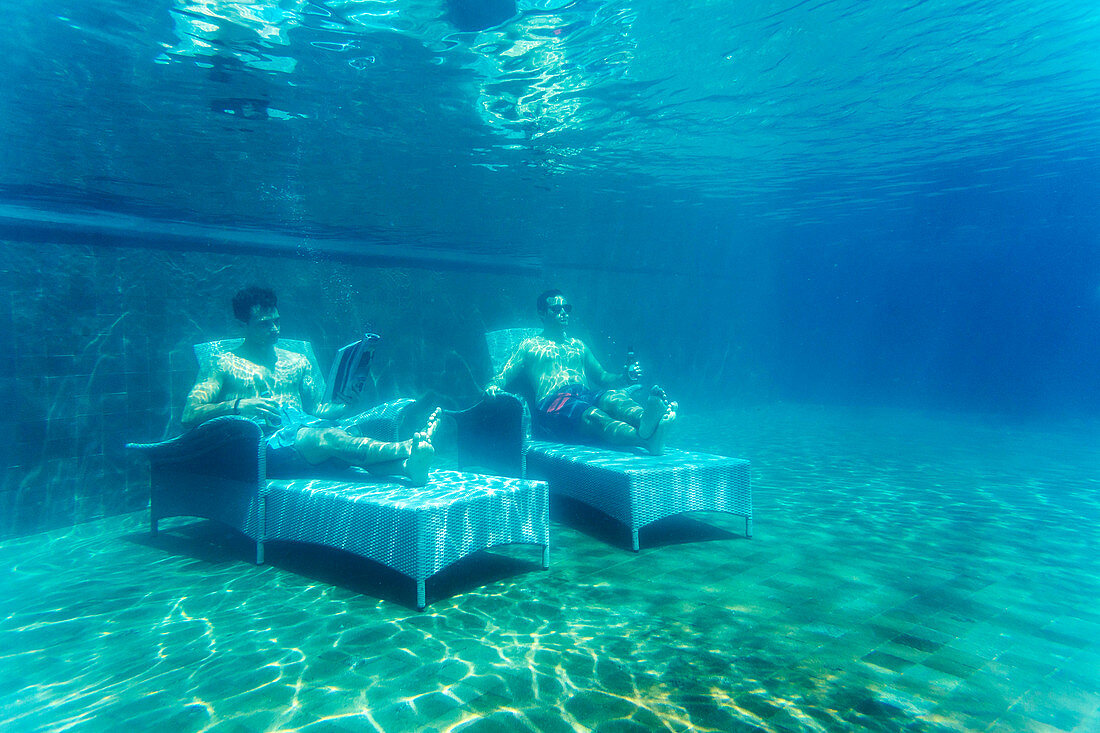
{"x":652,"y":419}
{"x":597,"y":424}
{"x":621,"y":406}
{"x":645,"y":426}
{"x":658,"y":414}
{"x":410,"y":457}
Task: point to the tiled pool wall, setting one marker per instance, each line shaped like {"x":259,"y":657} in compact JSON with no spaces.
{"x":98,"y":353}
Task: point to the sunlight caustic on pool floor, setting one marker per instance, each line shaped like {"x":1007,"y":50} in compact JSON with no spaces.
{"x":908,"y":572}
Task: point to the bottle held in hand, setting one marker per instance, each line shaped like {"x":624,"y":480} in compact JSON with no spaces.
{"x":633,"y":369}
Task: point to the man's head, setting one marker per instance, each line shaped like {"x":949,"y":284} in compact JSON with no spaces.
{"x":553,"y":309}
{"x":255,"y":308}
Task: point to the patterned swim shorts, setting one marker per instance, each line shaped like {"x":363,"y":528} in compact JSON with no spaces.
{"x":559,"y":415}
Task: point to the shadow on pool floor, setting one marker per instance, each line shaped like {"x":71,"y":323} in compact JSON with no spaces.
{"x":908,"y":573}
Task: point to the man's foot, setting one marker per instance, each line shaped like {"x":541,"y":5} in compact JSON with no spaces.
{"x":422,"y":452}
{"x":658,"y":414}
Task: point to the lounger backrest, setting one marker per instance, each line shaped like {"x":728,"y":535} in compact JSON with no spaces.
{"x":502,"y":343}
{"x":207,"y":352}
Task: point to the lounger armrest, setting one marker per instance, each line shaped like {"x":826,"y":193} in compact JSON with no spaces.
{"x":493,"y":433}
{"x":223,"y":446}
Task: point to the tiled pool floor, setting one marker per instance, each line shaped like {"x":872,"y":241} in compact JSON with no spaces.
{"x":908,"y":573}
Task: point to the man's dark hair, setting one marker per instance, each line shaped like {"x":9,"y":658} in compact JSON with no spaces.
{"x":245,"y":300}
{"x":543,"y":301}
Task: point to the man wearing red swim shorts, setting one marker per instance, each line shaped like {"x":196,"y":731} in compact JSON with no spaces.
{"x":561,"y":370}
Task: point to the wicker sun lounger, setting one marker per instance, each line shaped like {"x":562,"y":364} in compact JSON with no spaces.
{"x":218,"y":471}
{"x":631,"y":487}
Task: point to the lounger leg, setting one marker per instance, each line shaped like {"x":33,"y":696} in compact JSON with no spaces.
{"x":748,"y":527}
{"x":421,"y":601}
{"x":634,"y":539}
{"x":546,"y":557}
{"x":262,"y":512}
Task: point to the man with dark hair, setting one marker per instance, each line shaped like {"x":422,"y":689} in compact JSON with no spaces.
{"x":560,"y":369}
{"x":251,"y":297}
{"x":278,"y":389}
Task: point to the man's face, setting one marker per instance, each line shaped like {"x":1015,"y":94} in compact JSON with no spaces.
{"x":557,"y":312}
{"x":263,"y":327}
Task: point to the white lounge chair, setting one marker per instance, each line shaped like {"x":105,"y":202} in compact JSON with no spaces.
{"x":632,"y":487}
{"x":218,"y":471}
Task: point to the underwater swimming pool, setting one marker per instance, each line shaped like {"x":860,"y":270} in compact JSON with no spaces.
{"x":802,"y":207}
{"x":909,"y":572}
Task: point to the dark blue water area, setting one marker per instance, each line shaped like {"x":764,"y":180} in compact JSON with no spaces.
{"x":981,"y":292}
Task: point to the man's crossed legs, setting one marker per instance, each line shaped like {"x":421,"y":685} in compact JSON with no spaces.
{"x":620,"y":420}
{"x":412,"y":458}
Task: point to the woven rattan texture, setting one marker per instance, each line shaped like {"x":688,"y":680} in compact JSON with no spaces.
{"x":217,"y":469}
{"x":632,"y":487}
{"x":212,"y":471}
{"x":417,"y":531}
{"x":638,"y":489}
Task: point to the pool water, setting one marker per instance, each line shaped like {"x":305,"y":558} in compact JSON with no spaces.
{"x":908,"y":572}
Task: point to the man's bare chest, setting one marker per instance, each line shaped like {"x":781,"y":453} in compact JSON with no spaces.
{"x":247,"y":376}
{"x":549,"y":355}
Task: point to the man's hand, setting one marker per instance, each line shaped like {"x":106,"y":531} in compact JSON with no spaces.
{"x":266,"y":408}
{"x":634,"y":373}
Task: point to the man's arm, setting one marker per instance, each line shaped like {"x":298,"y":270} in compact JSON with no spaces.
{"x":312,"y":395}
{"x":511,"y":369}
{"x":201,"y":402}
{"x":597,"y":373}
{"x":201,"y":405}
